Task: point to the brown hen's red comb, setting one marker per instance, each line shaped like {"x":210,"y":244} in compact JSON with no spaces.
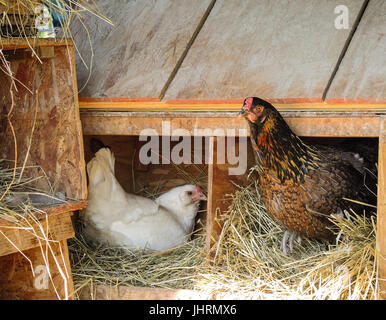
{"x":248,"y":103}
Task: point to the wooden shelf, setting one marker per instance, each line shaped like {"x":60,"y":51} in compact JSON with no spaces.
{"x":57,"y":220}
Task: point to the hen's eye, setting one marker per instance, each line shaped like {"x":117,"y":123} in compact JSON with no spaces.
{"x":189,"y":193}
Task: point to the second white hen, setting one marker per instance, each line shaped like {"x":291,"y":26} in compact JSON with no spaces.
{"x":116,"y":217}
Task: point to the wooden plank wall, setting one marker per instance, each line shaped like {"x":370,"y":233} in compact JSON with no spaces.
{"x":285,"y":51}
{"x":270,"y":49}
{"x":361,"y":74}
{"x":142,"y":48}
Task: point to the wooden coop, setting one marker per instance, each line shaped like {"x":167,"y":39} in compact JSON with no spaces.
{"x":152,"y":68}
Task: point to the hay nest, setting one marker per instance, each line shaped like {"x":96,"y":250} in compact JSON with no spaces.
{"x":248,"y":263}
{"x":94,"y":264}
{"x":98,"y":264}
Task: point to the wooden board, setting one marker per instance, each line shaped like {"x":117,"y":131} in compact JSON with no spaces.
{"x":153,"y":104}
{"x":270,"y":49}
{"x":101,"y":292}
{"x":56,"y":221}
{"x":18,"y":282}
{"x":362,"y":71}
{"x":134,"y":57}
{"x":46,"y":101}
{"x":356,"y":124}
{"x":381,"y":210}
{"x":220,"y":186}
{"x":8,"y":44}
{"x":19,"y":238}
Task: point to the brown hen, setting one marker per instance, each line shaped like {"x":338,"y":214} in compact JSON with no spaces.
{"x":301,"y":185}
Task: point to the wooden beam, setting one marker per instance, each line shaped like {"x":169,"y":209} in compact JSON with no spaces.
{"x":52,"y":211}
{"x":19,"y":238}
{"x":151,"y":104}
{"x":19,"y":43}
{"x":210,"y":212}
{"x":381,"y":211}
{"x":221,"y":184}
{"x":22,"y":234}
{"x":303,"y":124}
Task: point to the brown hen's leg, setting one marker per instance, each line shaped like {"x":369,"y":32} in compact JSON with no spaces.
{"x":289,"y":237}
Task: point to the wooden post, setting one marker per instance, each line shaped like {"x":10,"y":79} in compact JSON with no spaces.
{"x":381,"y":211}
{"x":220,"y":185}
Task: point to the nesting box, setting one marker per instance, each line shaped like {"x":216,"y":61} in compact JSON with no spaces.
{"x":40,"y":129}
{"x":123,"y":121}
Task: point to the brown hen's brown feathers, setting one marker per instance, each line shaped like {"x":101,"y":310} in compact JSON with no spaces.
{"x":302,"y":185}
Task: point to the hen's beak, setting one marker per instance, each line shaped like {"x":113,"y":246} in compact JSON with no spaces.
{"x":198,"y":195}
{"x":243,"y":110}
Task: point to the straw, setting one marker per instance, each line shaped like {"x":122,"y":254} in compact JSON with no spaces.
{"x":249,"y":264}
{"x":23,"y":215}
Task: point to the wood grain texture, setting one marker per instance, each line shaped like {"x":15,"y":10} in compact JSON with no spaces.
{"x":269,"y":49}
{"x":362,"y":71}
{"x":135,"y":57}
{"x":8,"y":44}
{"x":220,"y":186}
{"x":151,"y":104}
{"x":17,"y":281}
{"x":302,"y":123}
{"x":57,"y":144}
{"x":101,"y":292}
{"x":381,"y":210}
{"x":57,"y":227}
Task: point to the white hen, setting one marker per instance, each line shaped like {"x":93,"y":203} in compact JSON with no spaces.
{"x":118,"y":218}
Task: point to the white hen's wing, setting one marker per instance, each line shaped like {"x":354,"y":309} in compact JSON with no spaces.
{"x":159,"y":232}
{"x":107,"y":198}
{"x":138,"y":207}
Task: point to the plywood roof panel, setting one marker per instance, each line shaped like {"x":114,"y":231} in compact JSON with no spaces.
{"x":362,"y":73}
{"x":135,"y":57}
{"x":272,"y":49}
